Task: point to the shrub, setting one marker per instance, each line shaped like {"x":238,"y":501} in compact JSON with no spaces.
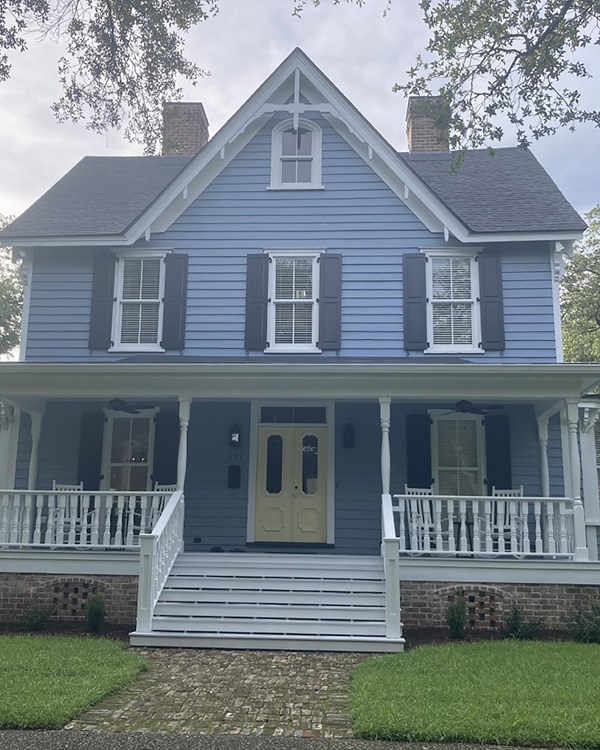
{"x":456,"y":617}
{"x":35,"y":619}
{"x":586,"y":628}
{"x":517,"y":626}
{"x":95,"y":612}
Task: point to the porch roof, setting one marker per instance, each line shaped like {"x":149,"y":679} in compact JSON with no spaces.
{"x":29,"y":384}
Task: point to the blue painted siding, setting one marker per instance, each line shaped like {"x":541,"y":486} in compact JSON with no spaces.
{"x":356,"y":215}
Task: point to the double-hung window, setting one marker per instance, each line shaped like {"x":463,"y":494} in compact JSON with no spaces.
{"x":296,"y":156}
{"x":458,"y":453}
{"x":453,"y":317}
{"x":138,"y":311}
{"x":293,"y":312}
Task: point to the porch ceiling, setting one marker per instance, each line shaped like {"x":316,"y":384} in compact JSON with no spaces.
{"x":29,"y":385}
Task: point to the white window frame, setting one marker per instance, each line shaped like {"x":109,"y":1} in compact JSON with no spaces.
{"x":439,"y":415}
{"x":277,"y":156}
{"x":475,"y":347}
{"x":272,"y":347}
{"x":109,"y":417}
{"x":117,"y":316}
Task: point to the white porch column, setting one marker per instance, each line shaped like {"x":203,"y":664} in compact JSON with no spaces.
{"x":185,"y":403}
{"x":384,"y":416}
{"x":37,"y":419}
{"x":544,"y":466}
{"x":572,"y":411}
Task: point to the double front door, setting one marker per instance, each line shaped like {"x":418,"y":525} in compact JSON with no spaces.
{"x":291,"y":493}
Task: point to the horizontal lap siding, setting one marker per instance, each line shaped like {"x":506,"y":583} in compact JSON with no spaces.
{"x":356,"y":215}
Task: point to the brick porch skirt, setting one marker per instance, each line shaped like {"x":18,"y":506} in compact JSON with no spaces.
{"x":424,"y":603}
{"x":67,"y":595}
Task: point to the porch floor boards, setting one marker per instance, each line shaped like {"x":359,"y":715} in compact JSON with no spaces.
{"x":272,"y":601}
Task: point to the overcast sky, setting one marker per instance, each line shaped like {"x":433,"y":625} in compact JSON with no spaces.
{"x":362,"y":52}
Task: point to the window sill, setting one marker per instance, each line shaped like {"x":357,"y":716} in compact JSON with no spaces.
{"x":292,"y":350}
{"x":451,"y":350}
{"x":136,"y":348}
{"x":295,"y":187}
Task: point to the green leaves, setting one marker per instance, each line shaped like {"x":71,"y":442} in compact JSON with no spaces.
{"x":11,"y":298}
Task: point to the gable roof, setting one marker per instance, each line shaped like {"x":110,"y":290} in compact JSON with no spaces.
{"x":499,"y":190}
{"x":116,"y":200}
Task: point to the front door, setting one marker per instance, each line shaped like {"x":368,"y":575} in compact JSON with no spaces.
{"x":291,"y":492}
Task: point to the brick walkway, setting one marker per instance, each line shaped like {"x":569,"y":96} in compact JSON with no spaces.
{"x":271,"y":693}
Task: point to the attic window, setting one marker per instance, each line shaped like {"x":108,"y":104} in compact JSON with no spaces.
{"x":296,"y":156}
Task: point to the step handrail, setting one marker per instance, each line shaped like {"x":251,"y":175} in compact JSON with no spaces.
{"x":158,"y":551}
{"x":390,"y":552}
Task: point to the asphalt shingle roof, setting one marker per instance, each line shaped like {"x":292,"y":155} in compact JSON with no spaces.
{"x":500,"y":190}
{"x":101,"y":195}
{"x":505,"y":190}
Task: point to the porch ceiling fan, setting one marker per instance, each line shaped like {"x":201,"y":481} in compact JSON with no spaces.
{"x":117,"y":404}
{"x":468,"y":407}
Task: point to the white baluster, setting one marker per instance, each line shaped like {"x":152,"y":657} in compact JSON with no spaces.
{"x":146,"y":505}
{"x":402,"y":524}
{"x":426,"y":523}
{"x":50,"y":519}
{"x":120,"y":513}
{"x":537,"y":511}
{"x":37,"y":526}
{"x":25,"y":531}
{"x":500,"y":525}
{"x":95,"y":518}
{"x":464,"y":545}
{"x":414,"y":523}
{"x":60,"y":518}
{"x":84,"y":520}
{"x":489,"y":541}
{"x":476,"y":526}
{"x":130,"y":502}
{"x":525,"y":527}
{"x":73,"y":512}
{"x":108,"y":503}
{"x":4,"y":527}
{"x":563,"y":546}
{"x":451,"y":537}
{"x":551,"y":530}
{"x":439,"y":539}
{"x":512,"y":520}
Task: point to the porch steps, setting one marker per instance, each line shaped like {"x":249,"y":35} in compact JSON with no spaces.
{"x":272,"y":601}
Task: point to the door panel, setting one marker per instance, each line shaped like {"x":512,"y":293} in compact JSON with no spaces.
{"x":291,"y":492}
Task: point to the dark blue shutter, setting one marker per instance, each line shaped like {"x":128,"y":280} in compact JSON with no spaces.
{"x":415,"y":302}
{"x":103,"y":293}
{"x":166,"y":447}
{"x":90,"y":449}
{"x":175,"y":302}
{"x":497,"y":451}
{"x":257,"y":290}
{"x":418,"y":450}
{"x":492,"y":307}
{"x":330,"y":301}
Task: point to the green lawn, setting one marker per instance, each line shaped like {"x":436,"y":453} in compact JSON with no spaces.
{"x":47,"y":680}
{"x":504,"y":692}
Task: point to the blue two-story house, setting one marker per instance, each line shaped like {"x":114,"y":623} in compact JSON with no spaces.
{"x":280,"y":384}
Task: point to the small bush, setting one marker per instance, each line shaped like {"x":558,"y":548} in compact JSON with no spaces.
{"x":516,"y":626}
{"x":456,"y":618}
{"x":35,"y":619}
{"x":95,"y":612}
{"x":587,"y":624}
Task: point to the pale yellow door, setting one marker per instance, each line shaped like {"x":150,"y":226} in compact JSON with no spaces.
{"x":291,"y":492}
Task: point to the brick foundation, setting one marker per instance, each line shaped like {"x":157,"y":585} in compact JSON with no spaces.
{"x":67,"y":595}
{"x":424,"y":603}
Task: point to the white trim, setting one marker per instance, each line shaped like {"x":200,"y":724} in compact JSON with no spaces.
{"x":122,"y":258}
{"x":277,"y":158}
{"x":272,"y":346}
{"x":565,"y":454}
{"x":255,"y":407}
{"x":557,"y":259}
{"x":70,"y":562}
{"x":475,"y":346}
{"x":109,"y":417}
{"x":26,"y":277}
{"x":443,"y":415}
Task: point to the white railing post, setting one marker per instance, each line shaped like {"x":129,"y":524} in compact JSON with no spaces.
{"x":390,"y":548}
{"x":384,"y":416}
{"x":145,"y":605}
{"x":581,"y":548}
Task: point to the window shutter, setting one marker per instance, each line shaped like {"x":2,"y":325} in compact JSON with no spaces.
{"x":166,"y":446}
{"x":415,"y":302}
{"x":418,"y":450}
{"x":330,"y":301}
{"x":492,"y":307}
{"x":257,"y":291}
{"x":497,"y":449}
{"x":90,"y":450}
{"x":103,"y":292}
{"x":175,"y":302}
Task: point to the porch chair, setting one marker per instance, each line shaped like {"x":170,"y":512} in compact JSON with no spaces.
{"x":65,"y":488}
{"x":420,"y":517}
{"x":500,"y":518}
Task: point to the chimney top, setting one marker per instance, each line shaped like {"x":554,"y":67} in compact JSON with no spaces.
{"x":185,"y":128}
{"x":426,"y":123}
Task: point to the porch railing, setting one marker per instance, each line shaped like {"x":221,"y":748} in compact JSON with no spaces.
{"x":533,"y":527}
{"x":389,"y":552}
{"x":158,"y":551}
{"x":78,"y":519}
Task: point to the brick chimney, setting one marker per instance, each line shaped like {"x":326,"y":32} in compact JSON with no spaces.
{"x":185,"y":128}
{"x":424,"y":115}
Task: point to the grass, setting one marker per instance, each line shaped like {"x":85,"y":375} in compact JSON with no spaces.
{"x":500,"y":692}
{"x":47,"y":680}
